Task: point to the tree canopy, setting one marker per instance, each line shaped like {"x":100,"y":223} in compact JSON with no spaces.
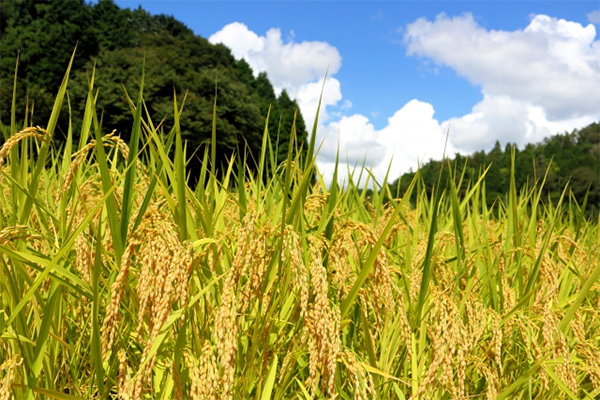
{"x":572,"y":158}
{"x":118,"y":42}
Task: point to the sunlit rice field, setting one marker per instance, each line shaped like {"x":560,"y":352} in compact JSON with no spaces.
{"x":118,"y":280}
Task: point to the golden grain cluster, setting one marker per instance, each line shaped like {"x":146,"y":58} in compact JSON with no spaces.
{"x":117,"y":280}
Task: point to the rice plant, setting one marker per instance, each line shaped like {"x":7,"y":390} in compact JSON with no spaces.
{"x":118,"y":280}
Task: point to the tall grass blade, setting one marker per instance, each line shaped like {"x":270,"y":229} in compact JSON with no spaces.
{"x":42,"y":340}
{"x":131,"y":161}
{"x":581,"y":296}
{"x":96,"y":345}
{"x":180,"y":174}
{"x":270,"y":382}
{"x":427,"y":265}
{"x":313,"y":134}
{"x":14,"y":153}
{"x":43,"y":153}
{"x":213,"y":141}
{"x":88,"y":113}
{"x":111,"y":204}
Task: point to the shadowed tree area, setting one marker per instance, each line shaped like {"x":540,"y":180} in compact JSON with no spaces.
{"x":117,"y":41}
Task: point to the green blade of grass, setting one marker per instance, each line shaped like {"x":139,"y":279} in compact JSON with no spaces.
{"x":96,"y":345}
{"x":458,"y":222}
{"x":41,"y":162}
{"x":14,"y":153}
{"x":587,"y":286}
{"x":368,"y":339}
{"x":180,"y":174}
{"x":127,"y":201}
{"x":560,"y":383}
{"x":424,"y":288}
{"x":88,"y":113}
{"x":241,"y":183}
{"x":42,"y":341}
{"x":313,"y":134}
{"x":66,"y":247}
{"x":332,"y":202}
{"x":31,"y":259}
{"x":213,"y":141}
{"x":520,"y":381}
{"x":263,"y":155}
{"x":270,"y":382}
{"x":51,"y":393}
{"x":111,"y":204}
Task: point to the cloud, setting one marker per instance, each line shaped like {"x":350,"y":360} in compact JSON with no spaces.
{"x":411,"y":136}
{"x":378,"y":16}
{"x":507,"y":120}
{"x":356,"y":138}
{"x":299,"y":68}
{"x":594,"y":17}
{"x":535,"y":82}
{"x":307,"y":96}
{"x":532,"y":80}
{"x":346,"y":105}
{"x":288,"y":65}
{"x":239,"y":39}
{"x":552,"y":63}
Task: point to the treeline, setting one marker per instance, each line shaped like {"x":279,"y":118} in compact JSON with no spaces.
{"x":570,"y":157}
{"x":118,"y":42}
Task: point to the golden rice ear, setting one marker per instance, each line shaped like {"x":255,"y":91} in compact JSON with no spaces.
{"x":38,"y":133}
{"x":269,"y":286}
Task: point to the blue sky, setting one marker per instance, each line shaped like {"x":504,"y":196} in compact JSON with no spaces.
{"x":403,"y":72}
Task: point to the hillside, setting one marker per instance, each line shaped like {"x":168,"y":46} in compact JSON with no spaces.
{"x":569,"y":157}
{"x":117,"y":41}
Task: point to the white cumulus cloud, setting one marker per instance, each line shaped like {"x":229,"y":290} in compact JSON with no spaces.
{"x":289,"y":64}
{"x":533,"y":80}
{"x":594,"y":17}
{"x":552,"y":62}
{"x":509,"y":121}
{"x":299,"y":68}
{"x":308,"y":94}
{"x":412,"y":136}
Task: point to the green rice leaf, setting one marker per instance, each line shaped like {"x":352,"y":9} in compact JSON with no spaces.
{"x":270,"y":382}
{"x":131,"y":161}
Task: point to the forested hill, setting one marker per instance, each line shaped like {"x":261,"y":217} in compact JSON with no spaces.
{"x":570,"y":157}
{"x":117,"y":40}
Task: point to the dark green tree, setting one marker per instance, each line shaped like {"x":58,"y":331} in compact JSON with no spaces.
{"x":572,"y":158}
{"x":181,"y":65}
{"x":44,"y":34}
{"x":113,"y":24}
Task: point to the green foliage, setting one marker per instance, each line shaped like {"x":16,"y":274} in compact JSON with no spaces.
{"x":113,"y":25}
{"x":44,"y":35}
{"x":572,"y":158}
{"x":117,"y":41}
{"x":177,"y":64}
{"x":117,"y":280}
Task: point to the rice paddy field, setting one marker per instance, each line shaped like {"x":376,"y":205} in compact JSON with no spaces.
{"x":118,"y":280}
